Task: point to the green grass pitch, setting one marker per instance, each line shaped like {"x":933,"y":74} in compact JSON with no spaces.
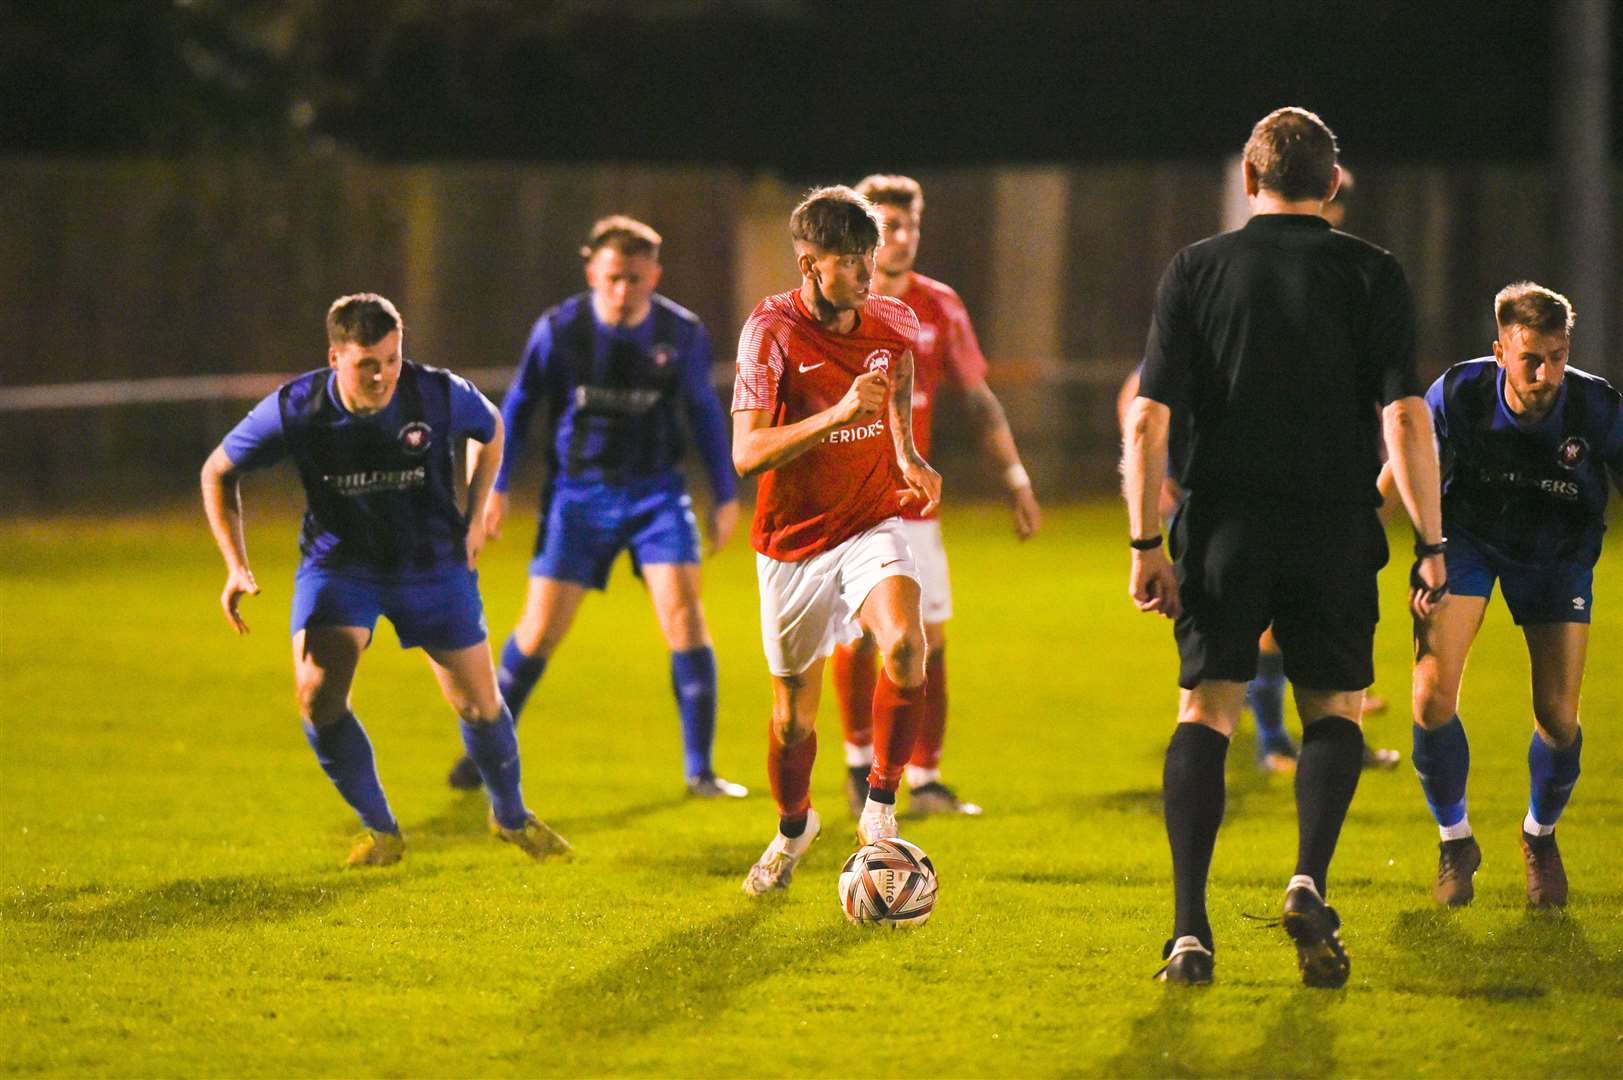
{"x":171,"y":903}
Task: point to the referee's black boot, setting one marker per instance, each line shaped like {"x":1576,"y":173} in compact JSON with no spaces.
{"x":1188,"y":963}
{"x":1316,"y":929}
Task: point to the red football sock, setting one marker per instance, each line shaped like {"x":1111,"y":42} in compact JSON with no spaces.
{"x":854,"y":675}
{"x":790,"y":768}
{"x":897,"y":714}
{"x":933,"y":731}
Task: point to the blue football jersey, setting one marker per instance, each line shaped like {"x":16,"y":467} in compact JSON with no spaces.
{"x":380,"y":488}
{"x":1534,"y":492}
{"x":618,"y":398}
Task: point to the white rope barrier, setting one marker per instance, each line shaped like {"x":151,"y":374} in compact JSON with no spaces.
{"x":191,"y":388}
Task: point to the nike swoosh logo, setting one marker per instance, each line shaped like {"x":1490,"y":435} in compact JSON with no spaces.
{"x":811,"y":367}
{"x":885,"y":564}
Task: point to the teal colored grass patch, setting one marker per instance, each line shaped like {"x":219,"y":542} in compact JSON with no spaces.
{"x":171,"y":902}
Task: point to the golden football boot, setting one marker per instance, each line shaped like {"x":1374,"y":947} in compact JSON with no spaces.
{"x":536,"y":838}
{"x":373,"y":848}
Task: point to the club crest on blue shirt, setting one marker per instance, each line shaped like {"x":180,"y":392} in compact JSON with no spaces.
{"x":414,"y":437}
{"x":1572,"y":451}
{"x":878,"y":360}
{"x":664,"y":353}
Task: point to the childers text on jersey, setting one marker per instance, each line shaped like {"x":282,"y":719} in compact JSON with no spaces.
{"x":1566,"y":489}
{"x":366,"y":483}
{"x":856,"y":434}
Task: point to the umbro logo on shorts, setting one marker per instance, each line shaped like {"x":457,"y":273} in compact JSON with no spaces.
{"x":1578,"y":603}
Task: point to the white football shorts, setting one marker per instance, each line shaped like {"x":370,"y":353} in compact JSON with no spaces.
{"x":930,"y":556}
{"x":808,"y":607}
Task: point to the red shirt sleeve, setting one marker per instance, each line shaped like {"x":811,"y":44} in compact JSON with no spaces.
{"x":899,"y":319}
{"x":963,"y":361}
{"x":760,"y":362}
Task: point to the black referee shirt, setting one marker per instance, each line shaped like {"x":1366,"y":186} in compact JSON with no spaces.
{"x":1281,"y":340}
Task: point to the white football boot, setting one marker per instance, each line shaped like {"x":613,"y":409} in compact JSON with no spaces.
{"x":878,"y":821}
{"x":777,"y":863}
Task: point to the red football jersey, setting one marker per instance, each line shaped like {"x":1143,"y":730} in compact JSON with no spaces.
{"x":790,"y":366}
{"x":947,"y":349}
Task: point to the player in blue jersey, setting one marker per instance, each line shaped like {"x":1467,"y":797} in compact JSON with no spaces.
{"x":1526,"y":445}
{"x":618,"y":371}
{"x":376,"y":438}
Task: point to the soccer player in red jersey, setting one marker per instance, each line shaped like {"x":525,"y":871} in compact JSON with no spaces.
{"x":823,"y":412}
{"x":948,"y":352}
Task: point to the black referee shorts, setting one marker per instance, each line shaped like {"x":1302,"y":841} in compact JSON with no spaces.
{"x":1308,"y":570}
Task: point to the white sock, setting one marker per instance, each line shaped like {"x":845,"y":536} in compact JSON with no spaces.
{"x":858,"y":755}
{"x":1531,"y":827}
{"x":918,"y":775}
{"x":1458,"y":831}
{"x":1302,"y":881}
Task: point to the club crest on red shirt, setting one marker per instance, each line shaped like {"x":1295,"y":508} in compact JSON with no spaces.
{"x":1572,"y":451}
{"x":878,"y":360}
{"x":414,"y":437}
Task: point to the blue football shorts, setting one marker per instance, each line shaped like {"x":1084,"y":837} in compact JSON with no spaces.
{"x":587,"y":525}
{"x":1558,"y":591}
{"x":439,"y":609}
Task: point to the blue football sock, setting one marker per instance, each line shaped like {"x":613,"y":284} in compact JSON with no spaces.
{"x":1553,"y":774}
{"x":1443,"y":760}
{"x":517,"y":675}
{"x":494,"y":748}
{"x":1266,"y":695}
{"x":345,"y":754}
{"x":693,"y":679}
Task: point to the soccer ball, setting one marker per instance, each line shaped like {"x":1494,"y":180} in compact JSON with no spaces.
{"x":888,"y":883}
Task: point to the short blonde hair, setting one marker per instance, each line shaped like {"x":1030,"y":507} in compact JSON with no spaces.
{"x":893,"y":190}
{"x":1526,"y":303}
{"x":624,"y":234}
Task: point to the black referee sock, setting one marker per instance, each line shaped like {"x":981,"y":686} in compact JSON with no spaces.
{"x":1192,"y":787}
{"x":1326,"y":777}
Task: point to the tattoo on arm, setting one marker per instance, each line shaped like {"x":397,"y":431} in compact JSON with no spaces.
{"x":901,"y":403}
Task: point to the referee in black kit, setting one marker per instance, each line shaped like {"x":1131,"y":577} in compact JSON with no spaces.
{"x":1289,"y":349}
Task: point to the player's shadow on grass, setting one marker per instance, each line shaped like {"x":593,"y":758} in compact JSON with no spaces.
{"x":81,"y":914}
{"x":689,"y":975}
{"x":1300,"y":1040}
{"x":617,"y":818}
{"x":465,"y":820}
{"x":709,"y":860}
{"x":1239,"y":786}
{"x":1546,"y":950}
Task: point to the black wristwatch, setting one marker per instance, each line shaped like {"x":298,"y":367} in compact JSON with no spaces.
{"x":1149,"y":544}
{"x":1423,"y":550}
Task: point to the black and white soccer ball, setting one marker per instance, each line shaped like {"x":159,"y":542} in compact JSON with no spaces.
{"x":888,"y":883}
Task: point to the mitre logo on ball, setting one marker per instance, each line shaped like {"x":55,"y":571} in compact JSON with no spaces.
{"x":878,"y":360}
{"x":1571,"y":452}
{"x":414,"y":437}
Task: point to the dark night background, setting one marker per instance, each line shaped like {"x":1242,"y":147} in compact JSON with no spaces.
{"x":786,"y":85}
{"x":185,"y":184}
